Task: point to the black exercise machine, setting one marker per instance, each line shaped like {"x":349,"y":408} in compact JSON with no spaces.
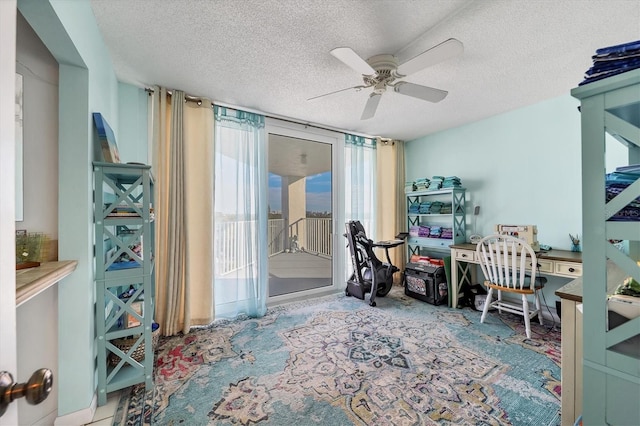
{"x":370,"y":274}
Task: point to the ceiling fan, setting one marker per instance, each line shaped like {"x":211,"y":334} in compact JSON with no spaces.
{"x":383,"y":71}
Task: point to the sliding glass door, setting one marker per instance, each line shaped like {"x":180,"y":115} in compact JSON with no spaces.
{"x":301,"y":205}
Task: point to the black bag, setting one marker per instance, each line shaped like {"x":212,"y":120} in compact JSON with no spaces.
{"x":468,"y":297}
{"x":427,"y":283}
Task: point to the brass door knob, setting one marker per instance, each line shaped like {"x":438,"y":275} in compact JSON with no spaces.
{"x":35,"y":391}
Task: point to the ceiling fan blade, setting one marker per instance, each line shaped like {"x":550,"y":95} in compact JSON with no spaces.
{"x":353,"y":60}
{"x":371,"y":106}
{"x":443,"y":51}
{"x":421,"y":92}
{"x":337,"y":91}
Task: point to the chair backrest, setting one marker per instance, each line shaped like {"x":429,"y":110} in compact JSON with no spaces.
{"x":508,"y":262}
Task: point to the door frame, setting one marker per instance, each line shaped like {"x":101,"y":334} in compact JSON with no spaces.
{"x":336,"y":140}
{"x":8,"y":355}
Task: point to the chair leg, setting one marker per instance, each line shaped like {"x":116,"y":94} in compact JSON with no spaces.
{"x":499,"y":300}
{"x":527,"y":320}
{"x":538,"y":306}
{"x":487,"y":302}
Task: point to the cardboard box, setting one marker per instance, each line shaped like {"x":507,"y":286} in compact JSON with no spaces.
{"x":132,"y":321}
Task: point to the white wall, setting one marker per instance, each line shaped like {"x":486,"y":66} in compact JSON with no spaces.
{"x":37,"y":347}
{"x":40,"y":166}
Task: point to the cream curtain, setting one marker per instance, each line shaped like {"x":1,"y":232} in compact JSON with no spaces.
{"x":389,"y":197}
{"x":183,"y":167}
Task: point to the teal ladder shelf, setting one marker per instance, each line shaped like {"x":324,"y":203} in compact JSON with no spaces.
{"x":611,"y":366}
{"x":124,"y":241}
{"x":454,"y":220}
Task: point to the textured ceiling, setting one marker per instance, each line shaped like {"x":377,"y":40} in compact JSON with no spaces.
{"x":271,"y":56}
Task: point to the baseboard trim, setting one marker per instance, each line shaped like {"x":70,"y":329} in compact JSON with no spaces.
{"x":49,"y":419}
{"x":80,"y":417}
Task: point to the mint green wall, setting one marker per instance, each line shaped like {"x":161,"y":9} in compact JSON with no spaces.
{"x":132,"y":135}
{"x":87,"y":84}
{"x":521,"y":167}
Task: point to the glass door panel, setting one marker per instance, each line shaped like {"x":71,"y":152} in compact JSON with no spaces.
{"x":300,"y":215}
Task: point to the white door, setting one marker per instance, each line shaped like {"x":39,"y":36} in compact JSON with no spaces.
{"x":7,"y":199}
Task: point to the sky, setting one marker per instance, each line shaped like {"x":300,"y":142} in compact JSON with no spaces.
{"x":318,"y":192}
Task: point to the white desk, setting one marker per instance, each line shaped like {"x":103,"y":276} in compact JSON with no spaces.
{"x":571,"y":297}
{"x":559,"y":263}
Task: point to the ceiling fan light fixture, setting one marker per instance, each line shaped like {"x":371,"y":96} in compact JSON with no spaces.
{"x":383,"y":62}
{"x":380,"y":88}
{"x":383,"y":70}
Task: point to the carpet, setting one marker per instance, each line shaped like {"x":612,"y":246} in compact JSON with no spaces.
{"x":337,"y":361}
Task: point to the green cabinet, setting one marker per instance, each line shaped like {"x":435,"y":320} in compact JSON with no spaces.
{"x":611,"y":355}
{"x":124,"y":278}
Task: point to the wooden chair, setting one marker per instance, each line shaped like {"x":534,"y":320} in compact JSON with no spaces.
{"x":509,"y":265}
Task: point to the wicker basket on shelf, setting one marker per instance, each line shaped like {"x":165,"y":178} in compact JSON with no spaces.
{"x":126,"y":343}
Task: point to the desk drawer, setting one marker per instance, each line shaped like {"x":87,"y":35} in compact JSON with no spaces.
{"x":465,"y":255}
{"x":544,"y":266}
{"x":568,"y":269}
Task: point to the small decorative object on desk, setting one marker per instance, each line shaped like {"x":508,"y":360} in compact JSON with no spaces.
{"x":575,"y":243}
{"x":30,"y":249}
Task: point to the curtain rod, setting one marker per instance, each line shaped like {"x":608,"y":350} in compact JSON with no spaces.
{"x":276,"y":117}
{"x":187,"y":98}
{"x":294,"y":121}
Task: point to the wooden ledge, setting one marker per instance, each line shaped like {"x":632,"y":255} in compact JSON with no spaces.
{"x":31,"y":282}
{"x":573,"y":289}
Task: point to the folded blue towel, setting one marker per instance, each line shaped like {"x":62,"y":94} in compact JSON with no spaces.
{"x":619,"y":48}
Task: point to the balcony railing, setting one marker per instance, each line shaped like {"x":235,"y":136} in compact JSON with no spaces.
{"x":319,"y":236}
{"x":231,"y":239}
{"x":276,"y":237}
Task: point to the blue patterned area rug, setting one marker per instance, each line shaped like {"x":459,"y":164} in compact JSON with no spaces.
{"x":338,"y":361}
